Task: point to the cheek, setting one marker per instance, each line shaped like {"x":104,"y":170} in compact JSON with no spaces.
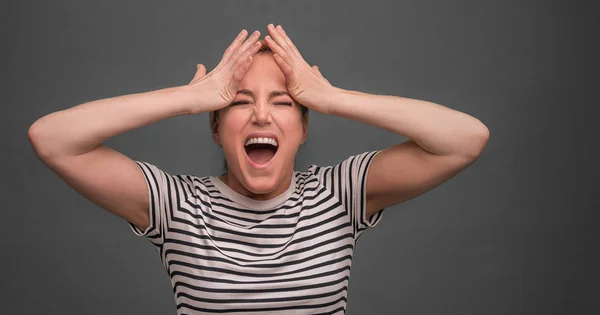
{"x":230,"y":128}
{"x":291,"y":125}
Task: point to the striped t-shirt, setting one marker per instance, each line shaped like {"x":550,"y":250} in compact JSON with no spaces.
{"x":227,"y":253}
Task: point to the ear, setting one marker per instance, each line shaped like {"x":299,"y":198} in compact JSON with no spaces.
{"x":214,"y":128}
{"x":216,"y":138}
{"x":304,"y":127}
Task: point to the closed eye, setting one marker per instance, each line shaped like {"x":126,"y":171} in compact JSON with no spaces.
{"x":239,"y":103}
{"x":247,"y":102}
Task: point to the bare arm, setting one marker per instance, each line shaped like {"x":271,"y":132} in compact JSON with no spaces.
{"x":80,"y":129}
{"x":70,"y":141}
{"x":442,"y":141}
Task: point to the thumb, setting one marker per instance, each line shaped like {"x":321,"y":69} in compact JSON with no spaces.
{"x":200,"y":72}
{"x":316,"y":69}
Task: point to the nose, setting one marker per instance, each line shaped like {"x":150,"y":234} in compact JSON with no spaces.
{"x":262,"y":113}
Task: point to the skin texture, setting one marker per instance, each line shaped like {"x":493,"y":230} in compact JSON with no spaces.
{"x":263,"y":112}
{"x":259,"y":107}
{"x":70,"y":141}
{"x":442,"y":141}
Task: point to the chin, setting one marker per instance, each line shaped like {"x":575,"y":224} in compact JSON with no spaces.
{"x":262,"y":181}
{"x":262,"y":167}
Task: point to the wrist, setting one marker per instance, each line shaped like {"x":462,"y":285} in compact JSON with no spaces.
{"x":187,"y":100}
{"x":338,"y":97}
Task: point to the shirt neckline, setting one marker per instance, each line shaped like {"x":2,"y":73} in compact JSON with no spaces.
{"x":252,"y":203}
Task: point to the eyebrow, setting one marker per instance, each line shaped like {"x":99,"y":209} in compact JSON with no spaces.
{"x":272,"y":94}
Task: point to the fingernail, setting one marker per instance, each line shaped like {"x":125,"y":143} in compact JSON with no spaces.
{"x":279,"y":27}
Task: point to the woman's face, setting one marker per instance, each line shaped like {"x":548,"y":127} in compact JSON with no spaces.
{"x":261,"y":131}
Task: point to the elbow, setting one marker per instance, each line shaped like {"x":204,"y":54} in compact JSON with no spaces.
{"x":474,"y":142}
{"x":478,"y":141}
{"x":36,"y":135}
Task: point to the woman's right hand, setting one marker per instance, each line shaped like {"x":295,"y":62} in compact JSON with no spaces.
{"x":218,"y":88}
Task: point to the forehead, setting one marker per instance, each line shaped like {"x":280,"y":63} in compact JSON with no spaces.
{"x":264,"y":74}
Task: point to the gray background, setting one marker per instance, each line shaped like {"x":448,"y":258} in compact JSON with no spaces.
{"x":512,"y":234}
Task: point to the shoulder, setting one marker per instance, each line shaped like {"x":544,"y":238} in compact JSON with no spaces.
{"x":347,"y":172}
{"x":353,"y":163}
{"x":162,"y":176}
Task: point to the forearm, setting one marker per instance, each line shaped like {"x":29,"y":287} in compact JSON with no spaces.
{"x":80,"y":129}
{"x":437,"y":129}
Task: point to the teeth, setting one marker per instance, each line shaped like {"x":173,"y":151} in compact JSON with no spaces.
{"x":262,"y":140}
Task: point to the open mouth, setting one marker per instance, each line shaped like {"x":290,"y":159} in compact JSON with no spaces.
{"x":260,"y":151}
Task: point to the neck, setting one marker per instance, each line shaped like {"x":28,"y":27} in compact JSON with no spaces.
{"x":232,"y":182}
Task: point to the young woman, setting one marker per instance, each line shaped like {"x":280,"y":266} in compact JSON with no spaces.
{"x":262,"y":238}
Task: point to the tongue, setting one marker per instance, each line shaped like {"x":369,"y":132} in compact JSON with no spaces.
{"x":260,"y":156}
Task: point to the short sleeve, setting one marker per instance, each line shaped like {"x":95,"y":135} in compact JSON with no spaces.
{"x":163,"y":190}
{"x":348,"y":182}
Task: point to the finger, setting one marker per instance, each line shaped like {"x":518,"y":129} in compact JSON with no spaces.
{"x":246,"y":45}
{"x":234,"y":45}
{"x":247,"y":55}
{"x":278,"y":49}
{"x":241,"y":71}
{"x":288,"y":40}
{"x":252,"y":50}
{"x":237,"y":75}
{"x":316,"y":69}
{"x":276,"y":35}
{"x":284,"y":66}
{"x":200,"y":72}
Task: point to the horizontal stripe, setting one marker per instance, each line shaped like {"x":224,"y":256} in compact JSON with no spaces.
{"x":282,"y":255}
{"x":260,"y":258}
{"x":344,"y":268}
{"x":268,"y":266}
{"x":263,"y":300}
{"x":251,"y":291}
{"x":258,"y":275}
{"x":232,"y":241}
{"x":261,"y":310}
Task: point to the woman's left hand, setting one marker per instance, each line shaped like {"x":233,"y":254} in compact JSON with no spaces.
{"x":304,"y":83}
